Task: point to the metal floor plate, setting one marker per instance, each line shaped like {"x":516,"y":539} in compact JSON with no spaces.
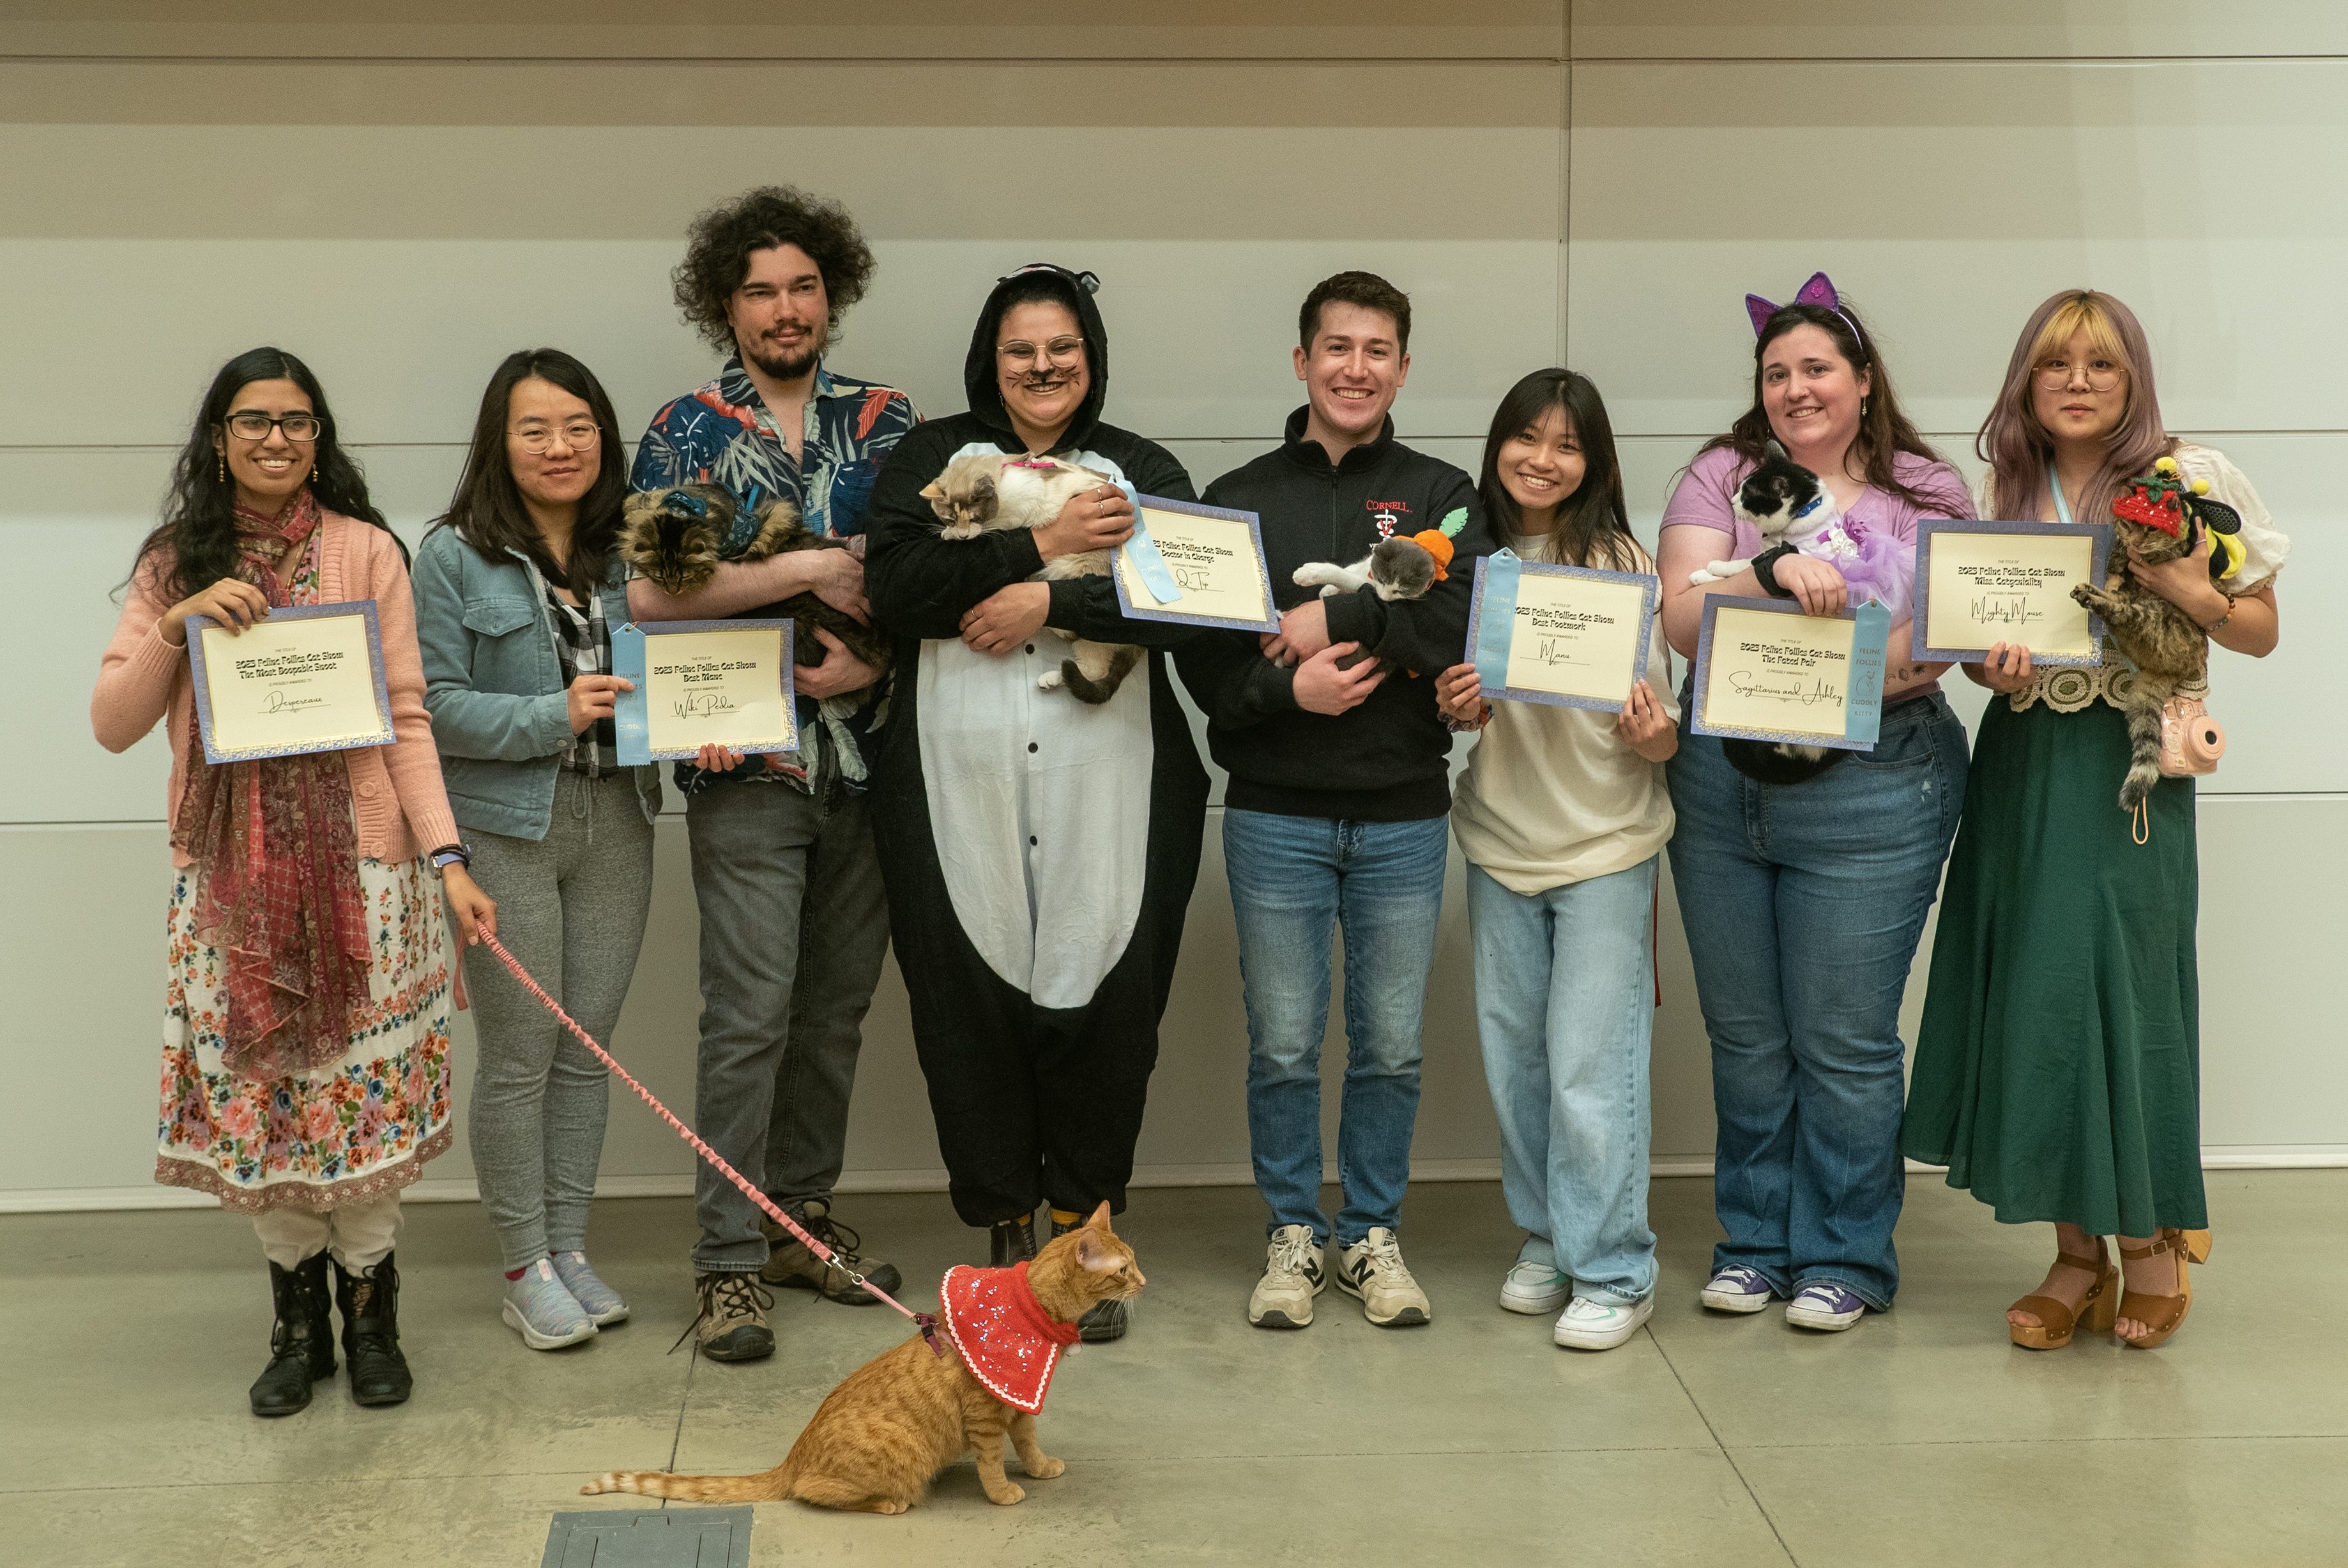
{"x":649,"y":1538}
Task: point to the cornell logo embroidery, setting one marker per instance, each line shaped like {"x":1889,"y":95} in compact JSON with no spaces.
{"x":1387,"y":515}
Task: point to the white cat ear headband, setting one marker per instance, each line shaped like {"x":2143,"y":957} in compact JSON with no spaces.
{"x":1819,"y":291}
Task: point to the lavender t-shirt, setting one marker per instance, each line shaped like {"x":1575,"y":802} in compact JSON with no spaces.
{"x":1705,"y":497}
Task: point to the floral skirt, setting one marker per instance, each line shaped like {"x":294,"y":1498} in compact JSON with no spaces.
{"x":345,"y":1132}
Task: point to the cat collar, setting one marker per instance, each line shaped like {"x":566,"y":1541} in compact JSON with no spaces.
{"x":1003,"y":1335}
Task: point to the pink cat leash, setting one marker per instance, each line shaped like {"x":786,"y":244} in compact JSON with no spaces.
{"x":926,"y":1322}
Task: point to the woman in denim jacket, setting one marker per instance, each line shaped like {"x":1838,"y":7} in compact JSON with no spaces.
{"x":516,"y":590}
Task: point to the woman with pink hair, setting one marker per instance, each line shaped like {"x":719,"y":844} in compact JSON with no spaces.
{"x":2057,"y":1071}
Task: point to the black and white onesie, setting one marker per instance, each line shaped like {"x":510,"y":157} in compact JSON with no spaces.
{"x":1039,"y":852}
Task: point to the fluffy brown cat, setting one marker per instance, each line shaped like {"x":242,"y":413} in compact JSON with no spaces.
{"x":988,"y":490}
{"x":2155,"y":518}
{"x":880,"y":1438}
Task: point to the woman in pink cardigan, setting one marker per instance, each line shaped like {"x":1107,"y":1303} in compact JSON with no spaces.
{"x":306,"y":995}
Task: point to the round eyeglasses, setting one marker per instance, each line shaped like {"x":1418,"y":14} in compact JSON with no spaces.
{"x":253,"y":425}
{"x":1059,"y":351}
{"x":579,"y":436}
{"x":2101,"y":374}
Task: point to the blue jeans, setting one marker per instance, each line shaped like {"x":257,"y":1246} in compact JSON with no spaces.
{"x":1802,"y":905}
{"x":1294,"y":880}
{"x":1565,"y":1005}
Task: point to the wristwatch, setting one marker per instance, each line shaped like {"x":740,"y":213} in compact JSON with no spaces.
{"x":1765,"y":571}
{"x":459,"y":853}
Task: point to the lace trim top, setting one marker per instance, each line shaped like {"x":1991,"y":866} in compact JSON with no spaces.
{"x":2070,"y":687}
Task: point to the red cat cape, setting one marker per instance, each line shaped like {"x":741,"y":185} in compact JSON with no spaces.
{"x":1005,"y":1337}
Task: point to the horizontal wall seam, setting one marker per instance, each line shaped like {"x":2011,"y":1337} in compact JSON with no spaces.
{"x":1334,"y":61}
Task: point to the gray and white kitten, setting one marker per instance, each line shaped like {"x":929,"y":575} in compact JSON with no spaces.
{"x":1394,"y":569}
{"x":988,"y":491}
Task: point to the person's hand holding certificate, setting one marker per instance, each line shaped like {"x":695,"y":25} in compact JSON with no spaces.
{"x":1764,"y":671}
{"x":1199,"y":565}
{"x":704,"y":683}
{"x":1562,"y":634}
{"x":1981,"y":583}
{"x":307,"y":677}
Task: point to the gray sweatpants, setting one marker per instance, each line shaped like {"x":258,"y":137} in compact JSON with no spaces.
{"x":572,"y":908}
{"x":794,"y":927}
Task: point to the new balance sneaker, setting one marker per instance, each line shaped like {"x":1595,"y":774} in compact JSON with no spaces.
{"x":1826,"y":1307}
{"x":600,"y":1302}
{"x":1293,"y":1276}
{"x":733,"y":1322}
{"x":541,"y":1308}
{"x":1534,"y":1289}
{"x":1587,"y":1325}
{"x":1373,"y":1270}
{"x":1737,"y":1289}
{"x":792,"y":1264}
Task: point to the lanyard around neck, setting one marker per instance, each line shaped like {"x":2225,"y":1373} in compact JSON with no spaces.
{"x":2061,"y":507}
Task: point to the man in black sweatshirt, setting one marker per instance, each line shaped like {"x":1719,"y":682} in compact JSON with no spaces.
{"x":1340,"y":793}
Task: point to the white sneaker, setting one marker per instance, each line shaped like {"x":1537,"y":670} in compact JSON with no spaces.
{"x":1588,"y":1325}
{"x":1293,"y":1276}
{"x":1535,"y":1289}
{"x":1372,"y":1269}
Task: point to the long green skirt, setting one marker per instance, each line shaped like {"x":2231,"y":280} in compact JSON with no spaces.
{"x":2058,"y":1068}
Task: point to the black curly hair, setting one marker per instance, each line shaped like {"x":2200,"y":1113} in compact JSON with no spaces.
{"x":718,"y":246}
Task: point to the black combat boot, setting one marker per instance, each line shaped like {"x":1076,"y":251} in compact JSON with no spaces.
{"x":301,"y":1342}
{"x":1106,"y":1320}
{"x":1010,"y":1241}
{"x":370,"y":1304}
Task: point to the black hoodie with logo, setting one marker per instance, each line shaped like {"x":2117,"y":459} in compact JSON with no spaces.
{"x":1385,"y":760}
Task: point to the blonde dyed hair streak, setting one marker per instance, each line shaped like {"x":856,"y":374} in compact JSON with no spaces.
{"x":2019,"y":450}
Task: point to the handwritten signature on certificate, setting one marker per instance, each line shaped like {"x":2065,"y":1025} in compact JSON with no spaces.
{"x":1782,"y":689}
{"x":701,"y":705}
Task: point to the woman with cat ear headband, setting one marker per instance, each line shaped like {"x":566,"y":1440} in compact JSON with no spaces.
{"x":1562,"y":815}
{"x":1039,"y":852}
{"x":2056,"y":1068}
{"x":517,"y":590}
{"x":1804,"y":894}
{"x":305,"y":998}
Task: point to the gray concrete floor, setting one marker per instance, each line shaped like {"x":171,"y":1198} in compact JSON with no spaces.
{"x":1919,"y":1438}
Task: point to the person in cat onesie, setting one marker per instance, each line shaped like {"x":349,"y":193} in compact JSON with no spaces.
{"x":1039,"y":852}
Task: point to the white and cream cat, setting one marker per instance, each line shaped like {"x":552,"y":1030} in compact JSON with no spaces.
{"x":985,"y":491}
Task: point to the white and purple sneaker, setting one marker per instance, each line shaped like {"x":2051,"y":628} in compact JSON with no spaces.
{"x":1826,"y":1307}
{"x":1737,"y":1289}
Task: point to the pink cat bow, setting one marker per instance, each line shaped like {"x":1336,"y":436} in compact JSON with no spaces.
{"x":1819,"y":291}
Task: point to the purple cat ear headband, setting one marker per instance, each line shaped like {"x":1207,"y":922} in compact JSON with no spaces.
{"x":1819,"y":291}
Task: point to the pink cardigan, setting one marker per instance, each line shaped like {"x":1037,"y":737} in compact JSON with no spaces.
{"x":403,"y":810}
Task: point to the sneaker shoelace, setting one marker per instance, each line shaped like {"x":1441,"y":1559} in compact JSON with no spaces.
{"x":1384,"y":1258}
{"x":1826,"y":1295}
{"x":1740,"y":1276}
{"x":847,"y":1247}
{"x":1289,"y":1255}
{"x":732,"y":1296}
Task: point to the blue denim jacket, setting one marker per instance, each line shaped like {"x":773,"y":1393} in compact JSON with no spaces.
{"x":493,"y":685}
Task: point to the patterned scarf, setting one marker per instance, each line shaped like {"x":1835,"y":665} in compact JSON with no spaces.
{"x":1005,"y":1336}
{"x":277,"y":884}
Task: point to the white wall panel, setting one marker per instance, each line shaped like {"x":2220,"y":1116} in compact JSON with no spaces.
{"x":1953,"y":29}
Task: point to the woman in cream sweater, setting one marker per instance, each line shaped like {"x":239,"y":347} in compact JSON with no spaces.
{"x":1561,"y":816}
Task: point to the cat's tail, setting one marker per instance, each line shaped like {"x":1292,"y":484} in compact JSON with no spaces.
{"x":770,"y":1486}
{"x":2144,"y":706}
{"x":1083,"y":689}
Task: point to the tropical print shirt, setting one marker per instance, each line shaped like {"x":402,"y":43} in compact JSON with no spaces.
{"x":724,"y":434}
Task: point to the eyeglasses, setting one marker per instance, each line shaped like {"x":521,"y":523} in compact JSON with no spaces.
{"x":1059,"y":351}
{"x":2101,"y":374}
{"x":579,"y":435}
{"x":254,"y":426}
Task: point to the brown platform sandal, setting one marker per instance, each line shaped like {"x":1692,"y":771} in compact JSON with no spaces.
{"x":2165,"y":1314}
{"x":2098,"y":1309}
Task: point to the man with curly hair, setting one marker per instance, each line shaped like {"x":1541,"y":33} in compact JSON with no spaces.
{"x":794,"y":923}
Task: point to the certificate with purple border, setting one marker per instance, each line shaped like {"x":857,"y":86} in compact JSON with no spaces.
{"x":1981,"y":583}
{"x":704,"y":683}
{"x":304,"y":678}
{"x":1215,"y":557}
{"x":1577,"y":636}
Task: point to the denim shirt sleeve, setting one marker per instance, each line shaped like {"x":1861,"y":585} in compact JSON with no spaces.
{"x":482,"y":717}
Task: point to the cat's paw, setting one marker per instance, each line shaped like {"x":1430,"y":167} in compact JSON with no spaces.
{"x":1306,"y":576}
{"x":1050,"y":680}
{"x":960,"y":531}
{"x":1009,"y":1492}
{"x":1044,"y":1467}
{"x":1329,"y":591}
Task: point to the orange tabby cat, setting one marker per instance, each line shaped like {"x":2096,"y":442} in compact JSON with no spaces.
{"x":881,"y":1436}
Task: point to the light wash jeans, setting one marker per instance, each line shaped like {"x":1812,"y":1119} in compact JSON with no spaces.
{"x":1565,"y":1006}
{"x":1294,"y":880}
{"x":1802,"y":905}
